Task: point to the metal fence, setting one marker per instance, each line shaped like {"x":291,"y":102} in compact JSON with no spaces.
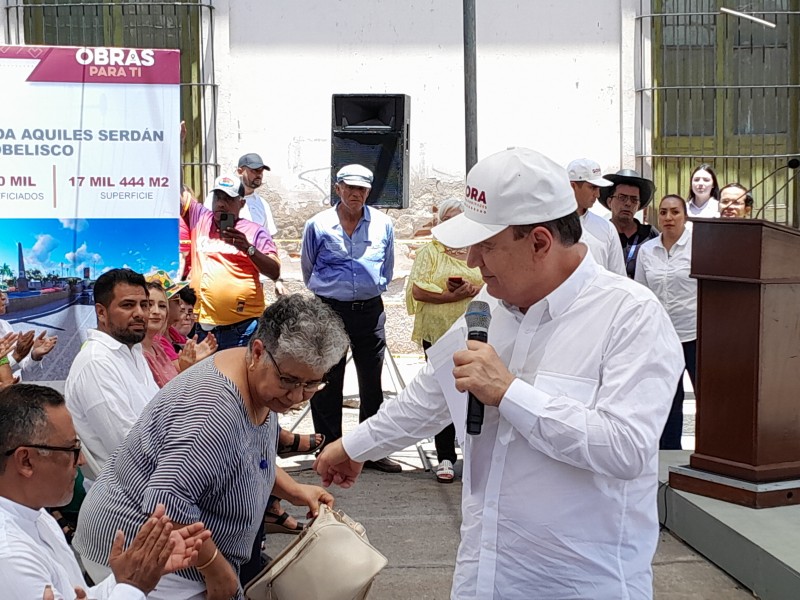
{"x":187,"y":26}
{"x":724,"y":90}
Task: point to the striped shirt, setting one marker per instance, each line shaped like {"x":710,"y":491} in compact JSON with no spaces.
{"x":195,"y":450}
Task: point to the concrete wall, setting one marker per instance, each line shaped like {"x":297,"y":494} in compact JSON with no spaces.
{"x":556,"y":76}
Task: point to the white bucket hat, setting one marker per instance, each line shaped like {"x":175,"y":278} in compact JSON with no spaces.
{"x":517,"y":186}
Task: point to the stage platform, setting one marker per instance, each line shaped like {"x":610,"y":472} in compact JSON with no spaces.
{"x":758,"y":547}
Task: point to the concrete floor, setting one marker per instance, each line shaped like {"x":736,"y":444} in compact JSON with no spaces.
{"x":415,"y":522}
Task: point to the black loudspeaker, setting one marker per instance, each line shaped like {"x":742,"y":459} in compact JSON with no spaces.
{"x":372,"y":130}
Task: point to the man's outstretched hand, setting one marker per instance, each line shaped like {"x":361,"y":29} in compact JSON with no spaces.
{"x":334,"y":466}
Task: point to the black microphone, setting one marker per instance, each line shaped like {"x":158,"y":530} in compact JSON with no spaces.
{"x":792,"y":163}
{"x":478,"y":318}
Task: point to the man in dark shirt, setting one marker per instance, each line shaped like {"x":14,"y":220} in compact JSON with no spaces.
{"x":630,"y":193}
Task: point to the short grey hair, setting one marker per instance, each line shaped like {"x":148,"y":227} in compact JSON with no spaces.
{"x":447,"y":205}
{"x":23,"y":416}
{"x":304,"y":329}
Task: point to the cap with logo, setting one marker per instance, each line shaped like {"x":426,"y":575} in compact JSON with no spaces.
{"x":584,"y":169}
{"x":357,"y":175}
{"x":230,"y":185}
{"x":252,"y":161}
{"x":517,"y":186}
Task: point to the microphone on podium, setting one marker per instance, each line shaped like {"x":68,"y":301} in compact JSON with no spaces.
{"x":792,"y":163}
{"x":478,"y":318}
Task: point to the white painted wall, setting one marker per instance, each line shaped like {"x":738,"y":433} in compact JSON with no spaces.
{"x":553,"y":75}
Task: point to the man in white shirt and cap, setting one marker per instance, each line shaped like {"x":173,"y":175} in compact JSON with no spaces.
{"x":577,"y":379}
{"x":39,"y":459}
{"x":599,"y":234}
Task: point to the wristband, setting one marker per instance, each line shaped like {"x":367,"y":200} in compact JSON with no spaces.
{"x":208,"y":564}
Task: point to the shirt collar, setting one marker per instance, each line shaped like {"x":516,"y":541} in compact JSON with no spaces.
{"x":559,"y":300}
{"x":682,"y":241}
{"x":20,"y":512}
{"x":109,"y":342}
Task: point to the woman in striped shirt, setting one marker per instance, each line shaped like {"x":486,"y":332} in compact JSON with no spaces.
{"x":205,"y":447}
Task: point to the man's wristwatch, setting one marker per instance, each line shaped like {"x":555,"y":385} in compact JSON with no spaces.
{"x":251,"y":250}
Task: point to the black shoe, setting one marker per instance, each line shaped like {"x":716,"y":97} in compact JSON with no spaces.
{"x":387,"y":465}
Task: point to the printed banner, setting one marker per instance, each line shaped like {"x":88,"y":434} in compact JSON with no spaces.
{"x":89,"y":181}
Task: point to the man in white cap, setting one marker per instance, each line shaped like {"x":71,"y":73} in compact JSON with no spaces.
{"x":228,"y":256}
{"x":577,"y":379}
{"x":599,"y":234}
{"x":348,"y":260}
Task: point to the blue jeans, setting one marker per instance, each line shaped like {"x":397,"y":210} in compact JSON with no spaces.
{"x":235,"y":335}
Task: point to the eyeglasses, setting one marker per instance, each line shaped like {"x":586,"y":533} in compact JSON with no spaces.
{"x":290,"y":383}
{"x":625,"y":199}
{"x":76,"y":450}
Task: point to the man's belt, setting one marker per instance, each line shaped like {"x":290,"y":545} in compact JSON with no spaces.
{"x":354,"y":305}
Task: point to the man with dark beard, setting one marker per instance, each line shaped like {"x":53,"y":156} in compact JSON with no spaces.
{"x":109,"y":382}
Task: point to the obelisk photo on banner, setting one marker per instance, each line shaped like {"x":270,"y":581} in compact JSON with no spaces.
{"x":89,"y":181}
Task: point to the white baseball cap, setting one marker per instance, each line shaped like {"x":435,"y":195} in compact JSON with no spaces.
{"x":232,"y":186}
{"x":584,"y":169}
{"x":517,"y":186}
{"x":357,"y":175}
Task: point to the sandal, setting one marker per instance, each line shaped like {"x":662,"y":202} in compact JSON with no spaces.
{"x":445,"y":472}
{"x":277,"y":524}
{"x":293,"y":449}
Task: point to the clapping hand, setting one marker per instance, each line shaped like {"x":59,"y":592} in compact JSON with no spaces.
{"x":42,"y":345}
{"x":188,"y":355}
{"x":7,"y":343}
{"x":206,"y":348}
{"x":155,"y":551}
{"x":24,"y":345}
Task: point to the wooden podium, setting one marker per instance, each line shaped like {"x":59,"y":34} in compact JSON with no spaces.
{"x":748,"y":364}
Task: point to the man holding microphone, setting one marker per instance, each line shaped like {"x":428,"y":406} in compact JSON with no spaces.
{"x":577,"y":378}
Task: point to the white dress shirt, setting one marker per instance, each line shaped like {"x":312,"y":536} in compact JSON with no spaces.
{"x":34,"y":554}
{"x":709,"y":210}
{"x":602,"y":238}
{"x":559,"y":490}
{"x":667,"y":275}
{"x":107,"y":388}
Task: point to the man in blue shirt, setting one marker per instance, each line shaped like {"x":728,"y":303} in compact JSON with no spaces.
{"x":347,"y":260}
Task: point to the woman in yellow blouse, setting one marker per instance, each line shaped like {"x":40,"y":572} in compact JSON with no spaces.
{"x":439,"y":288}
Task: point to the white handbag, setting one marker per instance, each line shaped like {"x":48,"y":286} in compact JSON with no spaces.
{"x":330,"y":560}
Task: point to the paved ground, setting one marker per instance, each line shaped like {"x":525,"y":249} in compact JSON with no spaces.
{"x":415,"y":522}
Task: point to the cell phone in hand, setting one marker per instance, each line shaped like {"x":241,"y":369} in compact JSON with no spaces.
{"x":456,"y":280}
{"x":226,"y":220}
